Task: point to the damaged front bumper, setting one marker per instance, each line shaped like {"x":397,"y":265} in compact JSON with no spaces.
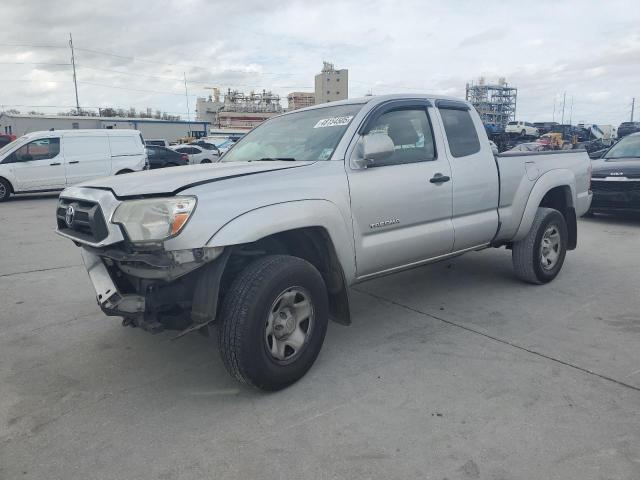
{"x":159,"y":290}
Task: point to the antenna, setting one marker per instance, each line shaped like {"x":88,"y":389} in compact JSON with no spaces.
{"x":633,"y":107}
{"x":75,"y":82}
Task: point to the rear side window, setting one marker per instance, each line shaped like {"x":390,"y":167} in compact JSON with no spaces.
{"x":122,"y":146}
{"x":461,"y":132}
{"x":85,"y":146}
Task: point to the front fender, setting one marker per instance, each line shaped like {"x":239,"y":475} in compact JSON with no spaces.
{"x":547,"y":181}
{"x":271,"y":219}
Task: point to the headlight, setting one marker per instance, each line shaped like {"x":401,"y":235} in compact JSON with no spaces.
{"x":154,"y":219}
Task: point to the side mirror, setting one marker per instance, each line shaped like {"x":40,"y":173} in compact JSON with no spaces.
{"x":372,"y":148}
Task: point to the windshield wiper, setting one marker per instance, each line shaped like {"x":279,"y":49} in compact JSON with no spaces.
{"x":276,"y":159}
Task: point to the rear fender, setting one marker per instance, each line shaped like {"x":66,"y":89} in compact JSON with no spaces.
{"x":547,"y":181}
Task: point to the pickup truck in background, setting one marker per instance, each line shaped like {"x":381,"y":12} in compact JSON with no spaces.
{"x":266,"y":243}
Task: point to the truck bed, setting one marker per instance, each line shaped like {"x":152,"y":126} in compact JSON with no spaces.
{"x":521,"y":172}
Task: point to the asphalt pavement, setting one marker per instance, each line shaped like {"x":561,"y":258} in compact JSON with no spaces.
{"x":451,"y":371}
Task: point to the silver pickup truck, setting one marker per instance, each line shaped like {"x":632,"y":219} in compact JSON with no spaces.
{"x":266,"y":243}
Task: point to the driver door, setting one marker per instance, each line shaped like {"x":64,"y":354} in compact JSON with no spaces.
{"x":401,"y":206}
{"x":39,"y":165}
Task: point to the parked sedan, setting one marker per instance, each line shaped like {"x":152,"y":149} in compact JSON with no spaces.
{"x":615,"y":180}
{"x":160,"y":157}
{"x":627,"y":128}
{"x":197,"y":154}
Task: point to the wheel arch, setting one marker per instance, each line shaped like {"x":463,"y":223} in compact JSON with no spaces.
{"x":555,"y":189}
{"x":11,"y":189}
{"x":313,"y":230}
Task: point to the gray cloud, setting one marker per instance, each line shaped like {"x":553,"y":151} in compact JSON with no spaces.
{"x":389,"y":46}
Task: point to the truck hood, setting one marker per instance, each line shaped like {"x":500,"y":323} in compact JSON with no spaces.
{"x":622,"y":167}
{"x":175,"y":179}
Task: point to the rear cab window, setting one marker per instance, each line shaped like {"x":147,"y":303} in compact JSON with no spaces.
{"x":461,"y":131}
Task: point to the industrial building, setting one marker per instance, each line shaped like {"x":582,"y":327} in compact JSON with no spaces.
{"x":495,"y":102}
{"x":237,"y":110}
{"x":296,"y":100}
{"x":170,"y":130}
{"x":331,"y":84}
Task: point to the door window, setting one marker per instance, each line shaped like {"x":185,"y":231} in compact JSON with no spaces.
{"x":41,"y":149}
{"x":461,"y":132}
{"x":411,"y":134}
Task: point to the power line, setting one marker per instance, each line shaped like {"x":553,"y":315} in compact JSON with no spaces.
{"x":29,"y":45}
{"x":36,"y":63}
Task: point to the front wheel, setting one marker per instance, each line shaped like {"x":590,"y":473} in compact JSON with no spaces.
{"x":5,"y":190}
{"x":523,"y":133}
{"x":206,"y":160}
{"x":539,"y":256}
{"x":273,"y":322}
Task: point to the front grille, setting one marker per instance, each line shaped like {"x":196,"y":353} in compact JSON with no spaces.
{"x":88,"y":222}
{"x":615,"y":186}
{"x":616,"y":195}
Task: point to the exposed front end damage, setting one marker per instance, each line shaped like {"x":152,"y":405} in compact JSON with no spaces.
{"x":157,"y":290}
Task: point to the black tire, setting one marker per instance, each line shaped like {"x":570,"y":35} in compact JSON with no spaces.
{"x":122,"y":172}
{"x":523,"y":133}
{"x":242,"y":338}
{"x":206,"y":160}
{"x":5,"y":190}
{"x":527,"y":257}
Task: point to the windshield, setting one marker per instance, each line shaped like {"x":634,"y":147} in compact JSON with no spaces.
{"x":304,"y":136}
{"x":625,"y":148}
{"x":11,"y":145}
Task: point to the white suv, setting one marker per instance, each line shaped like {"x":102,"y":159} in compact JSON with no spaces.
{"x":523,"y":128}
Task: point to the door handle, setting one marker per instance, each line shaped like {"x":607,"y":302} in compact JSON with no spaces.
{"x":75,"y":161}
{"x":55,"y":163}
{"x":439,"y":178}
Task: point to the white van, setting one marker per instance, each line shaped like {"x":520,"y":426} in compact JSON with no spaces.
{"x":49,"y":161}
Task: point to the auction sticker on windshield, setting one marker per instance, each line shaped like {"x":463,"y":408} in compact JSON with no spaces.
{"x":333,"y":121}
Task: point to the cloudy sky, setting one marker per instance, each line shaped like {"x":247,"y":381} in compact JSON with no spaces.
{"x":134,"y":54}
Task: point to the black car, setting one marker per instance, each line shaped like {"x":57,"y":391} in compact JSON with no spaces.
{"x":627,"y":128}
{"x":160,"y":157}
{"x":615,"y":179}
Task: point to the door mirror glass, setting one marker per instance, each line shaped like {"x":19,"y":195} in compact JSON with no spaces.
{"x":374,"y":147}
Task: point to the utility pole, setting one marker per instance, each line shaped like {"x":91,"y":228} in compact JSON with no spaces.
{"x":186,"y":94}
{"x":571,"y":110}
{"x":75,"y":82}
{"x":564,"y":100}
{"x":633,"y":106}
{"x":554,"y":108}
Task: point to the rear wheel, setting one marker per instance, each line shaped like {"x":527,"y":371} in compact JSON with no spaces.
{"x":122,"y":172}
{"x":274,"y":319}
{"x":206,"y":160}
{"x":539,"y":256}
{"x":5,"y":190}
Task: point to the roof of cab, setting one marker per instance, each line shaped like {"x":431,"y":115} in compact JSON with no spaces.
{"x":377,"y":99}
